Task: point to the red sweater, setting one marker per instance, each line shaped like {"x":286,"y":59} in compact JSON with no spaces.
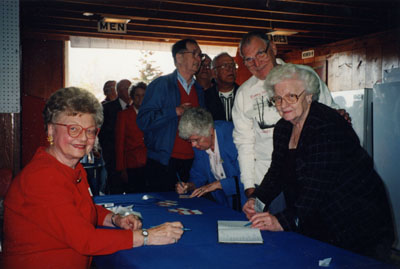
{"x":183,"y":149}
{"x":50,"y":219}
{"x":130,"y":151}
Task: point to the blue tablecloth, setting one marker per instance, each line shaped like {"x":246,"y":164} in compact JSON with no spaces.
{"x":199,"y":248}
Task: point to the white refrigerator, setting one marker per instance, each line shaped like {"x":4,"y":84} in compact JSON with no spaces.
{"x":375,"y":117}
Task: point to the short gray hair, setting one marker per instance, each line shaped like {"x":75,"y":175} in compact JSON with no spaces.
{"x":247,"y":38}
{"x":296,"y":71}
{"x":72,"y":101}
{"x":215,"y":59}
{"x":195,"y":121}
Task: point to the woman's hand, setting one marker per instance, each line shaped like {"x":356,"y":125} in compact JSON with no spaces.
{"x":266,"y":221}
{"x":216,"y":185}
{"x":164,"y":234}
{"x":183,"y":187}
{"x":248,"y":208}
{"x":130,"y":222}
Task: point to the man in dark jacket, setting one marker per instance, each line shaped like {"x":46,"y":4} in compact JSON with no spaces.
{"x":219,"y":98}
{"x":107,"y":134}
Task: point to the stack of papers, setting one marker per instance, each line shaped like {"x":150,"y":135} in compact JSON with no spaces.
{"x":238,"y":232}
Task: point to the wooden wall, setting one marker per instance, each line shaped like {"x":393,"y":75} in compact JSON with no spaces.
{"x":42,"y":74}
{"x":10,"y":141}
{"x":355,"y":63}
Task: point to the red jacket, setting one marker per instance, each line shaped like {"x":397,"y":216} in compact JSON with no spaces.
{"x":50,"y":218}
{"x":130,"y":151}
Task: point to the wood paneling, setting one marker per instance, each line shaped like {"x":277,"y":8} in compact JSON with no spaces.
{"x":42,"y":67}
{"x":43,"y":74}
{"x":356,"y":63}
{"x":10,"y":141}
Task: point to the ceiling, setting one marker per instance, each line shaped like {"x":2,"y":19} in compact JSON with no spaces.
{"x":215,"y":22}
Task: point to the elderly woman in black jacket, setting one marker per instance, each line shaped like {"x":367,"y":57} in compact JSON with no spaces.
{"x":332,"y":192}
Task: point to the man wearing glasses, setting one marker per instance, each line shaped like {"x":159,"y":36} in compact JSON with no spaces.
{"x":204,"y":74}
{"x":253,"y":114}
{"x":169,"y":158}
{"x":219,"y":98}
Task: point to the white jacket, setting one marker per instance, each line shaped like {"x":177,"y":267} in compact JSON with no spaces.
{"x":254,"y":119}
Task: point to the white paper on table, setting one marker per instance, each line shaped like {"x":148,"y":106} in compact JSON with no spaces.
{"x":237,"y":232}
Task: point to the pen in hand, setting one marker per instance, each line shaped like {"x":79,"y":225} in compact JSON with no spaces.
{"x":247,"y":224}
{"x":183,"y":228}
{"x":180,"y":181}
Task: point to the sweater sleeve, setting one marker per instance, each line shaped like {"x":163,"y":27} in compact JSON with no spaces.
{"x":55,"y":210}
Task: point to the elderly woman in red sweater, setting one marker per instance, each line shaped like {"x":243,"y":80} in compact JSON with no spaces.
{"x":49,"y":217}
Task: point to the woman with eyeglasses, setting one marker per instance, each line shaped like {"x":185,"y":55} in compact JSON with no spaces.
{"x":331,"y":190}
{"x":49,"y":217}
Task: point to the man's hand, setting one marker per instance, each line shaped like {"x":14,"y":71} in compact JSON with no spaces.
{"x":345,"y":115}
{"x":249,"y":192}
{"x":180,"y":109}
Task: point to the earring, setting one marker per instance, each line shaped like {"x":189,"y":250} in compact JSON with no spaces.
{"x":50,"y":140}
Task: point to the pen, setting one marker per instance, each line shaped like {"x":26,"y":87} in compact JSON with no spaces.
{"x":183,"y":228}
{"x":247,"y":224}
{"x":179,"y":179}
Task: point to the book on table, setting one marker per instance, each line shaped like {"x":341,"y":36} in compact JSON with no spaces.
{"x":238,"y":232}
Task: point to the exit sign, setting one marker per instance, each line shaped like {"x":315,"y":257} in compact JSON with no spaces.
{"x":111,"y":27}
{"x":307,"y":54}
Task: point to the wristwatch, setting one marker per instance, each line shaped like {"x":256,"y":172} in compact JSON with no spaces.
{"x":145,"y":234}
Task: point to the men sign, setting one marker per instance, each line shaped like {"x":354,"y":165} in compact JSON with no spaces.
{"x":111,"y":27}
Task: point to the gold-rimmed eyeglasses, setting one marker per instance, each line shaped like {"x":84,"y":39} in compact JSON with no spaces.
{"x":75,"y":130}
{"x":195,"y":54}
{"x":260,"y":55}
{"x":290,"y":98}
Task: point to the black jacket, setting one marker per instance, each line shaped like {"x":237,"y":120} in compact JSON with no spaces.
{"x":213,"y":102}
{"x":337,"y":188}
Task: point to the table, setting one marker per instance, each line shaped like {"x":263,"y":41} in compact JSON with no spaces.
{"x":199,"y":248}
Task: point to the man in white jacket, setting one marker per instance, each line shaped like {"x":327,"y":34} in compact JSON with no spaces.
{"x":253,"y":114}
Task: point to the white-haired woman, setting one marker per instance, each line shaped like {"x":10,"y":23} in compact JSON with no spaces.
{"x":215,"y":168}
{"x":332,"y":192}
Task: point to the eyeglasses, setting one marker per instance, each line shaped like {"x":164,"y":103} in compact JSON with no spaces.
{"x":290,"y":98}
{"x":195,"y":54}
{"x":75,"y":130}
{"x":206,"y":66}
{"x":260,"y":55}
{"x":226,"y":66}
{"x":196,"y":140}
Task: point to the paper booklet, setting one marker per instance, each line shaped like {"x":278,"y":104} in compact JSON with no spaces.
{"x":237,"y":232}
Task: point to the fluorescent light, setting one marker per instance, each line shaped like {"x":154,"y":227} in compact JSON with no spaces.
{"x":116,"y":20}
{"x":140,"y":18}
{"x":287,"y":33}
